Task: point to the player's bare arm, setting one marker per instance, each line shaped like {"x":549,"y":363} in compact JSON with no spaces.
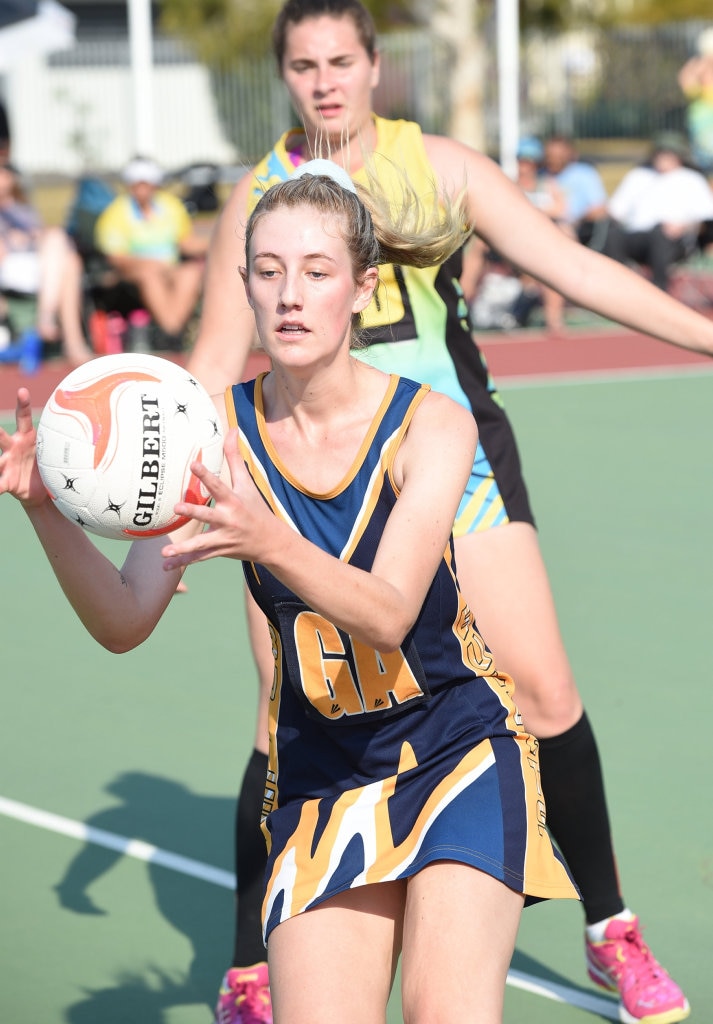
{"x":512,"y":225}
{"x":227,"y":330}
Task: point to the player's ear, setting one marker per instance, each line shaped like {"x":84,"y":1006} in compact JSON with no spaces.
{"x":366,"y":289}
{"x":375,"y":70}
{"x":244,"y":274}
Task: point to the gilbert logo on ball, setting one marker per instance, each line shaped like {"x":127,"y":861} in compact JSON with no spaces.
{"x":116,"y":440}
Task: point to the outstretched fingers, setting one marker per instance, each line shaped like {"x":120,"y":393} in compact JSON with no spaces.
{"x":233,"y":458}
{"x":234,"y":522}
{"x":23,"y":418}
{"x":219,"y":493}
{"x":217,"y":519}
{"x":19,"y":475}
{"x":23,"y":411}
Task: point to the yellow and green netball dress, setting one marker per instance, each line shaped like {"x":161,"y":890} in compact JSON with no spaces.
{"x":381,"y":763}
{"x":418,"y":327}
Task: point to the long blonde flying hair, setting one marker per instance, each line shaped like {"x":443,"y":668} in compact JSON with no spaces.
{"x":412,"y":232}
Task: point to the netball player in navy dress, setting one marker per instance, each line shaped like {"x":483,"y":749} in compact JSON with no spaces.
{"x":403,"y":810}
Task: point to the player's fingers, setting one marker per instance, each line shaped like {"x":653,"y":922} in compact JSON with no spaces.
{"x":23,"y":417}
{"x":211,"y":481}
{"x":23,"y":411}
{"x":224,"y":495}
{"x":178,"y":556}
{"x":233,"y":457}
{"x":201,"y":513}
{"x":230,"y":443}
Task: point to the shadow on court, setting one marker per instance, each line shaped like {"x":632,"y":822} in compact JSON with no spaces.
{"x":134,"y":999}
{"x":168,"y":815}
{"x":165,"y":814}
{"x":539,"y":971}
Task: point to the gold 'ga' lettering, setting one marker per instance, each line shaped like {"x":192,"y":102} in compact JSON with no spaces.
{"x":473,"y":650}
{"x":327,"y":678}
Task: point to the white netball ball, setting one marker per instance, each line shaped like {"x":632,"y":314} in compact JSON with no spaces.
{"x":116,"y":440}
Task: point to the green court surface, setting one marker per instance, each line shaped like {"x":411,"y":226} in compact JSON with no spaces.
{"x":150,"y":746}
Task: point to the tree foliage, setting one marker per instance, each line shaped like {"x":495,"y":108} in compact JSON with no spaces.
{"x":656,"y":12}
{"x":550,"y":15}
{"x":557,"y":15}
{"x":220,"y":31}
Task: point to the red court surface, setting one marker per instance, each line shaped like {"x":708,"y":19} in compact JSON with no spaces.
{"x":607,"y":351}
{"x":524,"y":354}
{"x":50,"y":373}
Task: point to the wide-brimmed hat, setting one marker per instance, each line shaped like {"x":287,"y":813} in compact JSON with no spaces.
{"x":672,"y":142}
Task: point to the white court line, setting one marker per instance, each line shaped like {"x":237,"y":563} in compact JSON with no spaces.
{"x":562,"y":994}
{"x":197,"y":869}
{"x":131,"y":847}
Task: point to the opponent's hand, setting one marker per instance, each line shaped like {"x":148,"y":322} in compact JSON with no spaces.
{"x":19,"y":475}
{"x":239,"y":522}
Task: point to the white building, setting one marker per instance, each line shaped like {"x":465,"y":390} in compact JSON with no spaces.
{"x":77,"y":110}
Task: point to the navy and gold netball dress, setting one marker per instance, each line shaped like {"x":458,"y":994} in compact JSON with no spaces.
{"x":381,"y":763}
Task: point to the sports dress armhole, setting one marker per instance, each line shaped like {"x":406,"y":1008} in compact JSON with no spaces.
{"x":232,"y":417}
{"x":397,"y":440}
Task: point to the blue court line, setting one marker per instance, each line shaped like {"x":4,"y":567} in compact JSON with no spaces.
{"x":140,"y":850}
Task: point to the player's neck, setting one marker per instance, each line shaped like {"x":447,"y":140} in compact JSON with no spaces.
{"x":349,"y":151}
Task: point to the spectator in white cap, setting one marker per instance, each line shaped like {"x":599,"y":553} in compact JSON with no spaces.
{"x":142,"y":169}
{"x":147,"y":236}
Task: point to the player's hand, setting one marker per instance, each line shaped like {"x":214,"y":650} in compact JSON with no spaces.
{"x":238,"y":521}
{"x":19,"y":475}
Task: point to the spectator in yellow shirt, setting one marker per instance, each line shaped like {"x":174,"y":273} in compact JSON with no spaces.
{"x":148,"y":238}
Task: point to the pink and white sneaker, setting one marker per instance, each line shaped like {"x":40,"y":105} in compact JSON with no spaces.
{"x":623,"y":963}
{"x":245,"y":996}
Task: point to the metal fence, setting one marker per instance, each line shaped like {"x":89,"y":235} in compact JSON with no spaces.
{"x":72,"y":112}
{"x":253,"y":105}
{"x":618,"y":84}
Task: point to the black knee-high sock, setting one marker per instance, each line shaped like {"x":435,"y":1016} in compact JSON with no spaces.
{"x":578,"y":819}
{"x":250,"y":860}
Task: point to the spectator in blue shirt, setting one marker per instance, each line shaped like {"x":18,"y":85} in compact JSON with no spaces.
{"x":586,"y":196}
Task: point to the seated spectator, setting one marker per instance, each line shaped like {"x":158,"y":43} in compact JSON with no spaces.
{"x":486,"y":291}
{"x":585,"y":194}
{"x":41,"y":262}
{"x":540,"y":187}
{"x":147,"y":236}
{"x":696,"y":81}
{"x":543,"y":190}
{"x":658,"y":209}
